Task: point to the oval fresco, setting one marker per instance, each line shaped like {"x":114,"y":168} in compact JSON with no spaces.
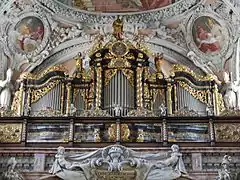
{"x":28,"y":34}
{"x":208,"y":35}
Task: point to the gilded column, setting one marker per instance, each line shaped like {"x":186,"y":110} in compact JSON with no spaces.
{"x":118,"y":131}
{"x":99,"y":86}
{"x":69,"y":88}
{"x":139,"y":87}
{"x":216,"y":102}
{"x":71,"y":131}
{"x":29,"y":97}
{"x":24,"y":131}
{"x":164,"y":132}
{"x":169,"y":98}
{"x":175,"y":97}
{"x":211,"y":131}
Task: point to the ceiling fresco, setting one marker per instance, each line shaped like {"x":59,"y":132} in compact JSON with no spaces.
{"x":113,"y":6}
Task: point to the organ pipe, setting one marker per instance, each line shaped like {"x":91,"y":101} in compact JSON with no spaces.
{"x":51,"y":100}
{"x":118,"y":92}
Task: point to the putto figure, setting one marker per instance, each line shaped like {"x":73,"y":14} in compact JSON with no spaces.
{"x":224,"y":173}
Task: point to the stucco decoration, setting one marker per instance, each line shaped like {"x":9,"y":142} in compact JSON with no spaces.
{"x":208,"y":36}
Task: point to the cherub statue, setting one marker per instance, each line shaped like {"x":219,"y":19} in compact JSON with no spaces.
{"x":73,"y":110}
{"x":117,"y":109}
{"x":162,"y":108}
{"x":60,"y":162}
{"x":66,"y":169}
{"x":175,"y":160}
{"x":231,"y":93}
{"x":171,"y":167}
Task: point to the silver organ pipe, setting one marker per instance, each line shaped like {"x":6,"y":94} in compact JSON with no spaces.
{"x":118,"y":92}
{"x":79,"y":103}
{"x":186,"y":101}
{"x":158,"y":101}
{"x":51,"y":100}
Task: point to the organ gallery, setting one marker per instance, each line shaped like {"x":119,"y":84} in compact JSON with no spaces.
{"x":119,"y":90}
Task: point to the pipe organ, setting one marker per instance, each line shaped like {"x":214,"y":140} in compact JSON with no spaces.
{"x":117,"y":86}
{"x":118,"y":83}
{"x":50,"y":100}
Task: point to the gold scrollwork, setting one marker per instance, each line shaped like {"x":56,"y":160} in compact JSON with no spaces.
{"x":119,"y":63}
{"x":182,"y":68}
{"x":125,"y":132}
{"x":229,"y":132}
{"x":38,"y":93}
{"x":221,"y":103}
{"x":16,"y":101}
{"x":28,"y":75}
{"x":201,"y":95}
{"x":98,"y":44}
{"x":108,"y":75}
{"x":130,"y":75}
{"x":10,"y":133}
{"x":88,"y":75}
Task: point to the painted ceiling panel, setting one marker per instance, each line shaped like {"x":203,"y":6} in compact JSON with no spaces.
{"x":118,"y":5}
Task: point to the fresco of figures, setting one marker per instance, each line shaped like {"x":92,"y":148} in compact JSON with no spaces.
{"x":208,"y":35}
{"x":28,"y":34}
